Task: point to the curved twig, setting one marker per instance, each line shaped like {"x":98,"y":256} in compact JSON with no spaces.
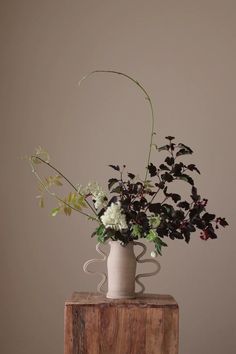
{"x":146,"y":96}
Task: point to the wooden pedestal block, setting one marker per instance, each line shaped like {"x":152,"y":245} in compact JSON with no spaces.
{"x":148,"y":324}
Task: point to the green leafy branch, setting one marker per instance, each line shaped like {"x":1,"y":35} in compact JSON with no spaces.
{"x":75,"y":201}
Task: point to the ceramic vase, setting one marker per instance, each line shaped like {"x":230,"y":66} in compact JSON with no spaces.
{"x":121,"y":270}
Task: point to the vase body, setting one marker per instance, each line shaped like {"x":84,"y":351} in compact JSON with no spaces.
{"x":121,"y":271}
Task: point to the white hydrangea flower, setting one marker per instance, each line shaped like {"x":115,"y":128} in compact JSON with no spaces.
{"x":114,"y":218}
{"x":80,"y":189}
{"x":98,"y":195}
{"x":94,"y":188}
{"x":100,"y":200}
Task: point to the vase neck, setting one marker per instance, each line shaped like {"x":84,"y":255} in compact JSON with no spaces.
{"x":116,"y":246}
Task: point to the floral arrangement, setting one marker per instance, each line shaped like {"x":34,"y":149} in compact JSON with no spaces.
{"x":135,"y":208}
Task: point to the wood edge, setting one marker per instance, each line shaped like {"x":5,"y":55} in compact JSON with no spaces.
{"x":101,"y":300}
{"x":144,"y":306}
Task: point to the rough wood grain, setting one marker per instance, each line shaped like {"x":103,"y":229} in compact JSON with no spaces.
{"x":145,"y":325}
{"x":146,"y":300}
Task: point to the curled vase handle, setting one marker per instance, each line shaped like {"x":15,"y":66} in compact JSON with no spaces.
{"x":94,"y":260}
{"x":139,"y":260}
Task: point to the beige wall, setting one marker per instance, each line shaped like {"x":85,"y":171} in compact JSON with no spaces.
{"x":184,"y":52}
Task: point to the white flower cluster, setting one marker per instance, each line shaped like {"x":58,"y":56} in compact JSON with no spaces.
{"x":114,"y":218}
{"x":98,"y":195}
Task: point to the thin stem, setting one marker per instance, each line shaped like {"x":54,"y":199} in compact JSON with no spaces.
{"x":190,"y":207}
{"x":63,"y":176}
{"x":146,"y":96}
{"x":164,"y":200}
{"x":152,"y":199}
{"x":151,"y":140}
{"x":55,"y":169}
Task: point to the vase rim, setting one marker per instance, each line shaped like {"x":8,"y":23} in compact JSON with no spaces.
{"x":120,"y":242}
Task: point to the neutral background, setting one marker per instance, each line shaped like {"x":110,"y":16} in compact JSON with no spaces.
{"x":184,"y":53}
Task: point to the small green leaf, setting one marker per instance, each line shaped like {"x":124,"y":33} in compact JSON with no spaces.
{"x":148,"y":184}
{"x":41,"y":203}
{"x":78,"y":201}
{"x":69,"y":197}
{"x":162,"y":243}
{"x":152,"y":235}
{"x":67,"y":210}
{"x":40,"y":200}
{"x":158,"y":248}
{"x":101,"y":238}
{"x":57,"y":180}
{"x":136,"y":230}
{"x":92,"y":218}
{"x":100,"y":230}
{"x":159,"y":244}
{"x":55,"y":211}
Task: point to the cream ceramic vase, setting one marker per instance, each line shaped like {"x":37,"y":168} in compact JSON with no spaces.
{"x":121,"y":270}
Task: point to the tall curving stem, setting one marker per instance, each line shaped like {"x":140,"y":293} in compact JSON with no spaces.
{"x":146,"y":96}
